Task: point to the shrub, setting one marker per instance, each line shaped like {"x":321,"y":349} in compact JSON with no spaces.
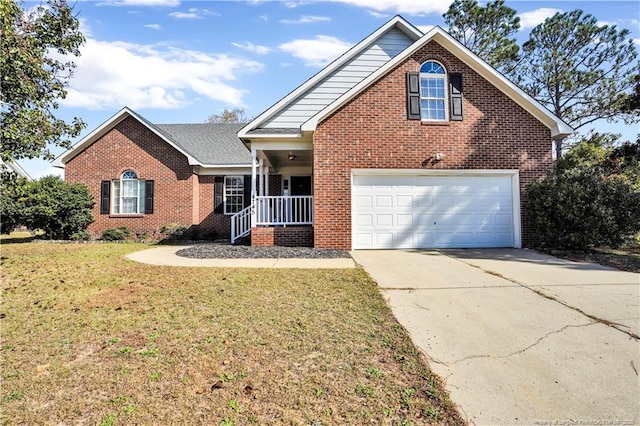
{"x":116,"y":234}
{"x":81,"y":236}
{"x":58,"y":208}
{"x":587,"y":204}
{"x":12,"y":192}
{"x":174,"y":231}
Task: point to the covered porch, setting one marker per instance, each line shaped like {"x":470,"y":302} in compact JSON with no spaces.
{"x":281,"y":210}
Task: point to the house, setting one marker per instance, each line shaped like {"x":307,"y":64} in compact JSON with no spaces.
{"x":146,"y":176}
{"x":408,"y":140}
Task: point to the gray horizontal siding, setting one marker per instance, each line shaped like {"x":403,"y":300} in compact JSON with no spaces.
{"x":340,"y":81}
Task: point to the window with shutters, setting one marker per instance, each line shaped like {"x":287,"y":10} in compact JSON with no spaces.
{"x":128,"y":194}
{"x":233,"y":194}
{"x":433,"y":92}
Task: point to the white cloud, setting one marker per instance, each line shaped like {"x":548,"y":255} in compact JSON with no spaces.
{"x":306,"y":19}
{"x":255,"y":48}
{"x":115,"y":74}
{"x":153,"y":26}
{"x":425,"y":28}
{"x":377,"y":14}
{"x":193,"y":13}
{"x":535,"y":17}
{"x":185,"y":15}
{"x":637,"y":41}
{"x":408,"y":7}
{"x":317,"y":52}
{"x":164,"y":3}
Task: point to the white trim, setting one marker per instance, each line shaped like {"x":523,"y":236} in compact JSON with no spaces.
{"x":559,"y":128}
{"x":445,"y":81}
{"x":14,"y":167}
{"x":443,"y":172}
{"x":272,"y":135}
{"x":515,"y":190}
{"x":282,"y":146}
{"x":225,"y":194}
{"x":397,"y":22}
{"x":106,"y":127}
{"x":222,"y":170}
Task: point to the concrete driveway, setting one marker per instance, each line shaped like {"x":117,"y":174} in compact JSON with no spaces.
{"x":520,"y":337}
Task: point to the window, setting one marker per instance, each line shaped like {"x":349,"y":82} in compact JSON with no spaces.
{"x":233,"y":194}
{"x":433,"y":92}
{"x":128,"y":194}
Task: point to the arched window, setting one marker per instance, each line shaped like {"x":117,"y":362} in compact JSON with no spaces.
{"x":128,"y":194}
{"x":433,"y":92}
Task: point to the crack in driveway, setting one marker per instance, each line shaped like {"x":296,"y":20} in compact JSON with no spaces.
{"x":616,"y":326}
{"x":518,"y":352}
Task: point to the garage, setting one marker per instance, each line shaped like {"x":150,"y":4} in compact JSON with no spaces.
{"x":435,"y":209}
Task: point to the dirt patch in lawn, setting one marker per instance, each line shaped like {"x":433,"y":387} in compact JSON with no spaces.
{"x":89,"y":337}
{"x":626,"y":259}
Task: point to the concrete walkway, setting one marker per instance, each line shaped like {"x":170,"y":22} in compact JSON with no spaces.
{"x":166,"y":256}
{"x":520,"y":337}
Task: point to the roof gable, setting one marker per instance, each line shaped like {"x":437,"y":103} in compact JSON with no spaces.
{"x":13,"y":166}
{"x":203,"y":144}
{"x":105,"y":127}
{"x":337,"y":78}
{"x":558,"y":127}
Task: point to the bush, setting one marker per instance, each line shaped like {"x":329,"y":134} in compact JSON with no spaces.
{"x":588,"y":204}
{"x":56,"y":207}
{"x":12,"y":193}
{"x":116,"y":234}
{"x":81,"y":236}
{"x":174,"y":231}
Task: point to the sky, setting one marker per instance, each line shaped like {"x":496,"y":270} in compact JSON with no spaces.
{"x":177,"y":61}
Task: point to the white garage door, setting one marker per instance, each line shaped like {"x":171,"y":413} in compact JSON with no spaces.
{"x":442,"y":211}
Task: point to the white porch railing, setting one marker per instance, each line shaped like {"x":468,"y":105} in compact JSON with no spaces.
{"x":284,"y":210}
{"x":240,"y":224}
{"x":271,"y":211}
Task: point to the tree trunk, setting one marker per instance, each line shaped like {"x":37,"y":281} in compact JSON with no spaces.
{"x":558,"y":145}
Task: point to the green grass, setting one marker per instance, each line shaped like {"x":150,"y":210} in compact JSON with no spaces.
{"x":90,"y":337}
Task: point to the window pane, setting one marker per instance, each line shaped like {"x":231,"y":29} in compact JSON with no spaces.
{"x":130,"y":188}
{"x":129,"y":174}
{"x":234,"y":194}
{"x":129,"y":205}
{"x":433,"y":94}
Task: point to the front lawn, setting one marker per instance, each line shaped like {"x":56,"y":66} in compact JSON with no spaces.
{"x":90,"y":337}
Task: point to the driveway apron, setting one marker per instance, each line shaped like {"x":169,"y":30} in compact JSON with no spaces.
{"x":520,"y":337}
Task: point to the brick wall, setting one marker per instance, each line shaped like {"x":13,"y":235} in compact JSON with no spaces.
{"x":372,"y":131}
{"x":290,"y":236}
{"x":131,"y":145}
{"x":179,"y":195}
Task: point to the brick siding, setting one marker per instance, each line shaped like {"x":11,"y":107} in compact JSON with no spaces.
{"x":179,"y":195}
{"x":290,"y":236}
{"x":372,"y":131}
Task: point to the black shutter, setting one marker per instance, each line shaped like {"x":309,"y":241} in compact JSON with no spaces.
{"x":105,"y":196}
{"x":218,"y":195}
{"x":455,"y":80}
{"x":148,"y":197}
{"x":247,"y":191}
{"x":413,"y":96}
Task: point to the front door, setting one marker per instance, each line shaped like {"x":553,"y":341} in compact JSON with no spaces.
{"x":300,"y":185}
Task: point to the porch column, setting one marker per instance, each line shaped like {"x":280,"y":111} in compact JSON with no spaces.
{"x":261,"y":167}
{"x":266,"y":181}
{"x":253,"y":186}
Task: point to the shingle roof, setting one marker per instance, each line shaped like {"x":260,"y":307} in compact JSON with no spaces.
{"x":209,"y":143}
